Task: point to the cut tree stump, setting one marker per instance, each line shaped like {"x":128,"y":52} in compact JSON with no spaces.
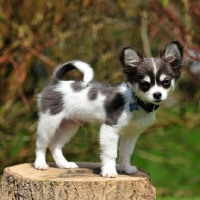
{"x":22,"y":182}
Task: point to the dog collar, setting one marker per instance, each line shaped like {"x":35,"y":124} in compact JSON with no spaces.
{"x":135,"y":101}
{"x":149,"y":107}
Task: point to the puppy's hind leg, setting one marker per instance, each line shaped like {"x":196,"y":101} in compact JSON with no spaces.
{"x":41,"y":146}
{"x":66,"y":130}
{"x":46,"y":129}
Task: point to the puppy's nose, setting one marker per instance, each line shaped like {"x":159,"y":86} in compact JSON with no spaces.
{"x":157,"y":95}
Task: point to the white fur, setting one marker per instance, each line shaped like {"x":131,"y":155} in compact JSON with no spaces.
{"x":85,"y":69}
{"x":147,"y":79}
{"x":109,"y":150}
{"x":55,"y":130}
{"x":162,"y":77}
{"x":154,"y":66}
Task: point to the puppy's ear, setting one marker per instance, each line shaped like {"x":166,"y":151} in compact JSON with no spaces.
{"x":130,"y":59}
{"x":173,"y":54}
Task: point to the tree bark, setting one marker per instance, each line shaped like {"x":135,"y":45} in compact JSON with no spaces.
{"x":22,"y":182}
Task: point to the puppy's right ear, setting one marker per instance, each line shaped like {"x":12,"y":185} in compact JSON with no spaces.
{"x":130,"y":59}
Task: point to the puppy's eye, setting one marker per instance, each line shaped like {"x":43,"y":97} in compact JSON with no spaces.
{"x":145,"y":85}
{"x":166,"y":83}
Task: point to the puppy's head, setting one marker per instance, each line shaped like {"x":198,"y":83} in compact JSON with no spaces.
{"x":153,"y":78}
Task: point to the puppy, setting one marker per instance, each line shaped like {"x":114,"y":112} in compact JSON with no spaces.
{"x":64,"y":105}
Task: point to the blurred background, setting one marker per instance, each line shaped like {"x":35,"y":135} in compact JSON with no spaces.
{"x":35,"y":36}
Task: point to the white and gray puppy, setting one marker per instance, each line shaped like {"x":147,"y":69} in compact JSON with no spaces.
{"x":64,"y":105}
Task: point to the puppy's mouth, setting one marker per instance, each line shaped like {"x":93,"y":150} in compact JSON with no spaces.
{"x":158,"y":101}
{"x":155,"y":102}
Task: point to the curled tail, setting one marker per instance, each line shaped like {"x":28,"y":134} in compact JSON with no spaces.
{"x":61,"y":70}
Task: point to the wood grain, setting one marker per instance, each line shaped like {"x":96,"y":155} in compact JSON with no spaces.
{"x":84,"y":183}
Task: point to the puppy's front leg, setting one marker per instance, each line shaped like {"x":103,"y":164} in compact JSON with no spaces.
{"x":126,"y":147}
{"x":108,"y":142}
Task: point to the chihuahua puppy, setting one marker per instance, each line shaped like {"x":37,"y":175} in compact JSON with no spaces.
{"x":65,"y":105}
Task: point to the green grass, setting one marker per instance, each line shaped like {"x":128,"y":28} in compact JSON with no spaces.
{"x":171,"y":158}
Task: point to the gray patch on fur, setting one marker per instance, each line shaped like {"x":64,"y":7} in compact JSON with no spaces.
{"x":114,"y":102}
{"x":51,"y":100}
{"x":77,"y":86}
{"x":114,"y":107}
{"x":92,"y":94}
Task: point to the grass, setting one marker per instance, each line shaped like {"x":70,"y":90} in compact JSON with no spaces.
{"x":171,"y":158}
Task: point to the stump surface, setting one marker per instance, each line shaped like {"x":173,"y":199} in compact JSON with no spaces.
{"x":84,"y":183}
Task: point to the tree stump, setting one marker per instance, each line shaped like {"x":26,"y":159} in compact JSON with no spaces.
{"x":22,"y":182}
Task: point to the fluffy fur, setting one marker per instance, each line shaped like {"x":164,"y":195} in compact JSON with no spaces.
{"x":64,"y":105}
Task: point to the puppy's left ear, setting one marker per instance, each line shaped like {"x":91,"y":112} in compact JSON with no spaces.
{"x":173,"y":55}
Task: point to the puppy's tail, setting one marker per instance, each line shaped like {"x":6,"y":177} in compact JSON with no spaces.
{"x":61,"y":70}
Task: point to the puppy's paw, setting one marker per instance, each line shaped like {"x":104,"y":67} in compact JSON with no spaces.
{"x":131,"y":170}
{"x":41,"y":165}
{"x":128,"y":169}
{"x":109,"y":172}
{"x":66,"y":165}
{"x":72,"y":165}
